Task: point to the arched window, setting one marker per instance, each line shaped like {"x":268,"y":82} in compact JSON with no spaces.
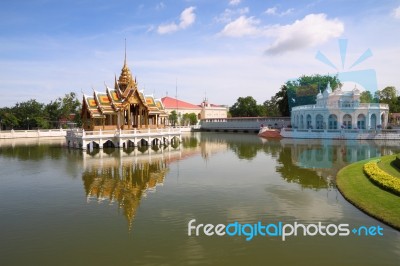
{"x":332,"y":122}
{"x":309,"y":121}
{"x":361,"y":121}
{"x":319,"y":121}
{"x":347,"y":120}
{"x":373,"y":121}
{"x":301,"y":122}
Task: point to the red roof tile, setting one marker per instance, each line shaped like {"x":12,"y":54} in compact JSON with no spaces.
{"x":173,"y":103}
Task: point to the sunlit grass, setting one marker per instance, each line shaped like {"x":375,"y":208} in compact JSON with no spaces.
{"x":356,"y":188}
{"x":387,"y":165}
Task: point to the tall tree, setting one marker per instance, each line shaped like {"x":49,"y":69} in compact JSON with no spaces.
{"x":271,"y":107}
{"x":7,"y":118}
{"x":173,"y":118}
{"x":303,"y":91}
{"x":246,"y":107}
{"x":366,"y":97}
{"x":389,"y":96}
{"x":30,"y":114}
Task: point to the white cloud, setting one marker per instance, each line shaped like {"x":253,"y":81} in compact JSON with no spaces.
{"x":228,"y":14}
{"x":274,"y":11}
{"x":167,"y":28}
{"x":396,"y":12}
{"x":287,"y":12}
{"x":234,"y":2}
{"x":243,"y":26}
{"x":186,"y":19}
{"x":314,"y":29}
{"x":271,"y":11}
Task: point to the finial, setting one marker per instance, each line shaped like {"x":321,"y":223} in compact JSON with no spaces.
{"x":125,"y":53}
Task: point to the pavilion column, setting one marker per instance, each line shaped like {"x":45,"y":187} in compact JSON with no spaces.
{"x":379,"y":120}
{"x":340,"y":120}
{"x":129,"y":117}
{"x":140,"y":117}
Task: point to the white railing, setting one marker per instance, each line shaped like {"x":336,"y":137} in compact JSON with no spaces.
{"x":39,"y":133}
{"x":114,"y":133}
{"x":342,"y":106}
{"x":364,"y":131}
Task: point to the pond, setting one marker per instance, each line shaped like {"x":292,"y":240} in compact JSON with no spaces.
{"x":61,"y":206}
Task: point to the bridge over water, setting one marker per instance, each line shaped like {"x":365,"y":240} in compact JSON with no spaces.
{"x":82,"y":139}
{"x":243,"y":124}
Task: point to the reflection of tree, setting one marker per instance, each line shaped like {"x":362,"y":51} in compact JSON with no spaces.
{"x":272,"y":147}
{"x":189,"y":142}
{"x":294,"y":174}
{"x":245,"y":150}
{"x":125,"y":184}
{"x":32,"y":152}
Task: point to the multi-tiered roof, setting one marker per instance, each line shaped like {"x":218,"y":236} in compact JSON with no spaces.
{"x":113,"y":100}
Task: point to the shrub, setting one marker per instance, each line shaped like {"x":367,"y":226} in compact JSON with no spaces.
{"x":396,"y":161}
{"x":381,"y":178}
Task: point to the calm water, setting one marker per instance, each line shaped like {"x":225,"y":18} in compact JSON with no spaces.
{"x":114,"y":207}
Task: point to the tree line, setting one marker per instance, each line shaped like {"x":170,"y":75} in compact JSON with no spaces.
{"x":303,"y":91}
{"x":32,"y":114}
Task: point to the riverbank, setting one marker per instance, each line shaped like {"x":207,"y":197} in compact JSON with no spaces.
{"x":376,"y":202}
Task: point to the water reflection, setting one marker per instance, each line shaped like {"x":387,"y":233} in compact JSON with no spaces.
{"x":315,"y":163}
{"x":310,"y":163}
{"x":34,"y":149}
{"x":124,"y":176}
{"x":125,"y":183}
{"x":212,"y":177}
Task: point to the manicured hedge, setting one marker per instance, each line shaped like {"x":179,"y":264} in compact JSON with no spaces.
{"x":381,"y":178}
{"x":396,"y":161}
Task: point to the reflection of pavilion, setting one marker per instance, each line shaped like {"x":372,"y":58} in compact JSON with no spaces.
{"x":125,"y":184}
{"x":118,"y":177}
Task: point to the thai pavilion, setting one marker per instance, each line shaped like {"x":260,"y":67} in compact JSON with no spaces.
{"x":340,"y":109}
{"x":124,"y":107}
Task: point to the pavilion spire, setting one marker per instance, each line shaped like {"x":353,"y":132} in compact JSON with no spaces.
{"x":125,"y":53}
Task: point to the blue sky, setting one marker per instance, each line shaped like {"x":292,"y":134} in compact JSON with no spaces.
{"x":222,"y":49}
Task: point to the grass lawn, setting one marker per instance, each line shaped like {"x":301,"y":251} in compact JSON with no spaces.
{"x":386,"y":165}
{"x":356,"y":188}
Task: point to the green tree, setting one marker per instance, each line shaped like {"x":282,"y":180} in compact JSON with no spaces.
{"x":53,"y":110}
{"x":246,"y":107}
{"x":271,"y":107}
{"x":303,"y":91}
{"x":64,"y":108}
{"x":193,"y":119}
{"x":389,"y":96}
{"x":7,"y":118}
{"x":173,"y":118}
{"x":30,"y":114}
{"x":282,"y":101}
{"x":366,"y":97}
{"x":185,"y":120}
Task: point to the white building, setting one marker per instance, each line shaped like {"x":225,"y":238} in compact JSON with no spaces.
{"x":340,"y":109}
{"x":203,"y":111}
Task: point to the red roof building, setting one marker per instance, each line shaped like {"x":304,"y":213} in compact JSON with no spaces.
{"x":203,"y":110}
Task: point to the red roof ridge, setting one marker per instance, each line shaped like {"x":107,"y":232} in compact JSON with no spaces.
{"x":170,"y":102}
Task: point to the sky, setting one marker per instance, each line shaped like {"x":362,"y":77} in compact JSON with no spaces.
{"x":215,"y":49}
